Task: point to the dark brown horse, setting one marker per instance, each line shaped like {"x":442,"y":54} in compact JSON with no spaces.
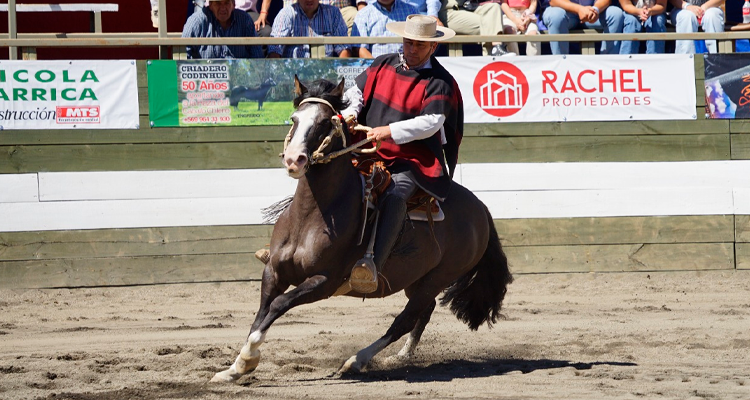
{"x":315,"y":243}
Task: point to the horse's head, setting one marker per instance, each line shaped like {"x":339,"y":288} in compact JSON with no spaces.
{"x":315,"y":128}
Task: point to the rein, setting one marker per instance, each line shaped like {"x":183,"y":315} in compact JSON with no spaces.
{"x":318,"y":156}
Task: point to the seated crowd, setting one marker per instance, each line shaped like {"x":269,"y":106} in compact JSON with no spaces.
{"x":363,"y":18}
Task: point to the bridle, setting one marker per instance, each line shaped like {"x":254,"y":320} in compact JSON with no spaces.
{"x":318,"y":157}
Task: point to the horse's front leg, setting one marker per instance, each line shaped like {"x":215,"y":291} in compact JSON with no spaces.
{"x":273,"y":305}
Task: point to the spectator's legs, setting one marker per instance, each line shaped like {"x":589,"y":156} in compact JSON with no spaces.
{"x":510,"y":29}
{"x":684,"y":22}
{"x":487,"y":19}
{"x":349,"y":13}
{"x":533,"y":48}
{"x":713,"y":22}
{"x":559,"y":21}
{"x":656,"y":24}
{"x":631,"y":24}
{"x":490,"y":22}
{"x":613,"y":24}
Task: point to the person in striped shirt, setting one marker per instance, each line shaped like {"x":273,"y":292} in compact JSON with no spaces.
{"x":220,"y":19}
{"x":348,"y":10}
{"x":371,"y":21}
{"x":308,"y":18}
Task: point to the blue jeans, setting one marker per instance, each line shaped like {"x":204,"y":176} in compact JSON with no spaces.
{"x":686,"y":22}
{"x":558,"y":20}
{"x":632,"y":24}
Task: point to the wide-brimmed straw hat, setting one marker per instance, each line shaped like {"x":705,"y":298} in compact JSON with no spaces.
{"x":420,"y":27}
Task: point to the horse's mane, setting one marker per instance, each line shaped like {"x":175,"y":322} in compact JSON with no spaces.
{"x":322,"y":89}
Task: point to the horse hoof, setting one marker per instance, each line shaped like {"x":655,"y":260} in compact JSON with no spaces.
{"x":351,"y":366}
{"x":226,"y":376}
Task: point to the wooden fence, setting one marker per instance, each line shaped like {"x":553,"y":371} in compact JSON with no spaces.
{"x":151,"y":255}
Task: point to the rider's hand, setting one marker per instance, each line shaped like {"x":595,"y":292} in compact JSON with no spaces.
{"x":351,"y":122}
{"x":380,"y":133}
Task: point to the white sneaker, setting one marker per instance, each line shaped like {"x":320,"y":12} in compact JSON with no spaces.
{"x":499,"y":50}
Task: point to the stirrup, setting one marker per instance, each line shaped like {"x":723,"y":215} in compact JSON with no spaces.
{"x":264,"y":255}
{"x":364,"y":276}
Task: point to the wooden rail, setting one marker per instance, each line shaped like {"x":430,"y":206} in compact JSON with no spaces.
{"x":173,"y":39}
{"x":95,"y":9}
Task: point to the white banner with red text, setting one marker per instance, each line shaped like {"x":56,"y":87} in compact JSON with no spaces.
{"x":80,"y":94}
{"x":576,"y":88}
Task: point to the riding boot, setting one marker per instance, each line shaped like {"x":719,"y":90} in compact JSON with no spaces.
{"x":364,"y":276}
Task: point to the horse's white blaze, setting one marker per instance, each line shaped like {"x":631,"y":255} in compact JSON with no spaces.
{"x":296,"y":146}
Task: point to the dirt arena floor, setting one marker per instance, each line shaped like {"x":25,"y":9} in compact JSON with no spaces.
{"x":680,"y":335}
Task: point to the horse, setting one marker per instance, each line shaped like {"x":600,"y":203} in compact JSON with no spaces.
{"x":316,"y":241}
{"x":258,"y":94}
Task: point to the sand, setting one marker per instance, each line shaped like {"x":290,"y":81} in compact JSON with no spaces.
{"x":669,"y":335}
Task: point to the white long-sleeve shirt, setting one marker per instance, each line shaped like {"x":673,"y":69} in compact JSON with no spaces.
{"x":406,"y":131}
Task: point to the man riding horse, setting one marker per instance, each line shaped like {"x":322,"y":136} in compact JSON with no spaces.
{"x":415,"y":108}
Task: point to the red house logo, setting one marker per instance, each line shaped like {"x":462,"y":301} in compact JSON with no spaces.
{"x":501,"y":89}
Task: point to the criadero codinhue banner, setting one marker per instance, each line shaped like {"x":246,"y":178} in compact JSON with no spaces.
{"x":576,"y":88}
{"x":81,"y":94}
{"x":235,"y":92}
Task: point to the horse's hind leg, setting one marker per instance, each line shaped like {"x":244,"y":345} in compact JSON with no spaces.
{"x":413,"y":319}
{"x":416,"y":334}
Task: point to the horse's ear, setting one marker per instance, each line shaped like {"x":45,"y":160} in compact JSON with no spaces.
{"x":339,"y":90}
{"x":299,"y":88}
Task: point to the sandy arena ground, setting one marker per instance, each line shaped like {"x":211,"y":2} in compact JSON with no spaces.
{"x":680,"y":335}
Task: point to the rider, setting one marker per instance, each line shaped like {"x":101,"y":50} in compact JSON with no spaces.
{"x":416,"y":109}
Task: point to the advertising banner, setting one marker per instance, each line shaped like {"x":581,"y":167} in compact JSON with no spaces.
{"x":80,"y":94}
{"x":509,"y":89}
{"x":727,"y":85}
{"x":576,"y":88}
{"x":235,"y":92}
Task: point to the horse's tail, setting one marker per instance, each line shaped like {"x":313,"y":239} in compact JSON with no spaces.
{"x":477,"y":297}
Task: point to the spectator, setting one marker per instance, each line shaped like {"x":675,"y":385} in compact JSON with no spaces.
{"x":348,"y":9}
{"x":640,"y":15}
{"x":308,"y":18}
{"x":193,"y":6}
{"x":249,"y":6}
{"x":220,"y":19}
{"x":687,"y":15}
{"x":560,"y":16}
{"x":371,"y":21}
{"x":520,"y":18}
{"x":486,"y":19}
{"x":155,"y":13}
{"x":427,"y":7}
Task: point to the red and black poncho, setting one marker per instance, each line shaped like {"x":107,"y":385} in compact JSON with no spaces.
{"x":392,"y":93}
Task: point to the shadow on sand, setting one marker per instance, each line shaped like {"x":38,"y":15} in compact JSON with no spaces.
{"x":458,"y":369}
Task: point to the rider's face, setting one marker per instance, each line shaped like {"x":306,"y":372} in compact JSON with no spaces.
{"x":417,"y":52}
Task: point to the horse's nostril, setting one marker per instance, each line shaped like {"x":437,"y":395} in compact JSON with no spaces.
{"x":302,"y":159}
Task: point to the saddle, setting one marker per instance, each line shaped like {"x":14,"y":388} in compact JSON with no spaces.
{"x":376,"y":178}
